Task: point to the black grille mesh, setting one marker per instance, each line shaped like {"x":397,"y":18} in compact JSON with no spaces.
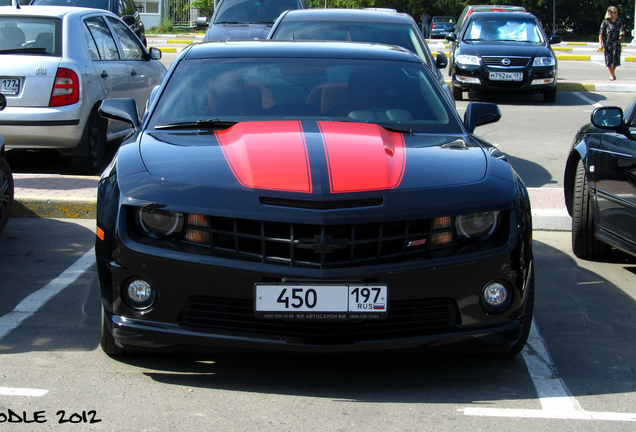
{"x":406,"y":319}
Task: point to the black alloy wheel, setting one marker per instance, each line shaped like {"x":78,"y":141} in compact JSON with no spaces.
{"x":584,"y":244}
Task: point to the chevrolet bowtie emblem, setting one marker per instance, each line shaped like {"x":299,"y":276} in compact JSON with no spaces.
{"x":321,"y":243}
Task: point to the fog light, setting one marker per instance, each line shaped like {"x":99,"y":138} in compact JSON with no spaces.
{"x":139,"y":294}
{"x":542,"y":81}
{"x":496,"y":297}
{"x":467,"y":80}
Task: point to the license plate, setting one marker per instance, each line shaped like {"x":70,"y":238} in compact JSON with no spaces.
{"x":10,"y":86}
{"x":506,"y":76}
{"x":302,"y":302}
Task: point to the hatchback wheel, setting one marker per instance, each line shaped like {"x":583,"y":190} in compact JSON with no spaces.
{"x":584,"y":244}
{"x":94,"y":139}
{"x":6,"y":192}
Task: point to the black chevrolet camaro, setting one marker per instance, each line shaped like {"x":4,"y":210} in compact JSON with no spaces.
{"x":312,"y":197}
{"x":503,"y":52}
{"x":600,"y":184}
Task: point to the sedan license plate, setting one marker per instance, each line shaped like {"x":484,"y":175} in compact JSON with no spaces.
{"x":506,"y":76}
{"x":10,"y":86}
{"x":303,"y":302}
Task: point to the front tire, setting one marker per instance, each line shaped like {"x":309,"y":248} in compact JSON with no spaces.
{"x":458,"y":93}
{"x":6,"y":192}
{"x":528,"y":314}
{"x":584,"y":244}
{"x":108,"y":341}
{"x":550,"y":95}
{"x":94,"y":139}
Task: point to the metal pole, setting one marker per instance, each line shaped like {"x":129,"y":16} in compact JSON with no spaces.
{"x":554,"y":17}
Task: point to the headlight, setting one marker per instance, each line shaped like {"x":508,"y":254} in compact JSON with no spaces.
{"x":467,"y":60}
{"x":159,"y":223}
{"x":476,"y":226}
{"x":544,"y":61}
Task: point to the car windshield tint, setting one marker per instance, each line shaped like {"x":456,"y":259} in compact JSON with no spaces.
{"x":518,"y":30}
{"x":404,"y":96}
{"x":404,"y":36}
{"x":32,"y":36}
{"x":98,"y":4}
{"x":253,"y":11}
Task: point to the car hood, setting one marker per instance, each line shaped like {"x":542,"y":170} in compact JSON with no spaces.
{"x":312,"y":158}
{"x":501,"y":48}
{"x":250,"y":31}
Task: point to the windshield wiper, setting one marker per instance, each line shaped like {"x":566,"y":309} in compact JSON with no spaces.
{"x":397,"y":128}
{"x":25,"y":50}
{"x":212,"y":123}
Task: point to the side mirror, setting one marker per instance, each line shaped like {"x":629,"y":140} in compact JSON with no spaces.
{"x":480,"y":113}
{"x":555,"y":40}
{"x":128,"y":19}
{"x":451,"y":37}
{"x":3,"y":101}
{"x":441,"y":60}
{"x":607,"y":117}
{"x":122,"y":109}
{"x":155,"y":53}
{"x":202,"y":21}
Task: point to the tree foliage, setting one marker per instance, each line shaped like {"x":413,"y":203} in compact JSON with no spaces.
{"x":574,"y":19}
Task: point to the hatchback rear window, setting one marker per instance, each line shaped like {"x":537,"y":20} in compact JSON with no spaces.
{"x":30,"y":35}
{"x":98,"y":4}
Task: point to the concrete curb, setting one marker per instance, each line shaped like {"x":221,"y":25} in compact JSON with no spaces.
{"x":54,"y":207}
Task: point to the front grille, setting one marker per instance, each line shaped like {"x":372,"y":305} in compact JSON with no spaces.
{"x":319,"y":246}
{"x":407,"y":318}
{"x":515,"y":62}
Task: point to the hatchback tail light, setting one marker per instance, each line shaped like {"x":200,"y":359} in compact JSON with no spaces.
{"x":65,"y":89}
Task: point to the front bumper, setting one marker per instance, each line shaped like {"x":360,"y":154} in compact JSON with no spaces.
{"x":477,"y":78}
{"x":206,"y":303}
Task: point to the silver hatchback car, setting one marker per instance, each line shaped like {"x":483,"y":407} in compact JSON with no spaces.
{"x":56,"y":66}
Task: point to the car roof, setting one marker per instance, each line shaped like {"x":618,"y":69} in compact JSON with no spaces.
{"x":479,"y":8}
{"x":48,"y":11}
{"x":299,"y":49}
{"x":502,"y":15}
{"x":333,"y":14}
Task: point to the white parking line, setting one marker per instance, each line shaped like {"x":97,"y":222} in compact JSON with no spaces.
{"x":556,"y":400}
{"x":588,"y":100}
{"x":7,"y":391}
{"x":35,"y":301}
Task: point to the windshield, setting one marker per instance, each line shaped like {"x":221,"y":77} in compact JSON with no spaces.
{"x":402,"y":95}
{"x":405,"y":36}
{"x":494,"y":29}
{"x":30,"y":35}
{"x":253,"y":11}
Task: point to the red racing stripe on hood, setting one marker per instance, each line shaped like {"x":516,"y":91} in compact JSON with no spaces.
{"x":363,"y":157}
{"x":268,"y":155}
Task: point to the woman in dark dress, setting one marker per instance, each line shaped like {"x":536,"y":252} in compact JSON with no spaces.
{"x":610,"y":37}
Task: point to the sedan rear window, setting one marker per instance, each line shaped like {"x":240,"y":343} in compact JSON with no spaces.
{"x":372,"y":32}
{"x":402,"y":96}
{"x":32,"y":36}
{"x":518,"y":30}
